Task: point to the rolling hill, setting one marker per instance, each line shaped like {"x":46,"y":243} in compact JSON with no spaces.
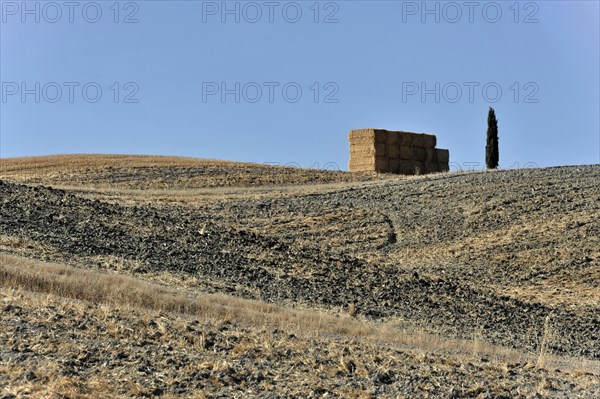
{"x":450,"y":285}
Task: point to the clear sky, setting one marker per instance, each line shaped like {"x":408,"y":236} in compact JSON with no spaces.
{"x":284,"y":82}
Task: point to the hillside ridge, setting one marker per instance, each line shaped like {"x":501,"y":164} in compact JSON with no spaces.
{"x":509,"y":257}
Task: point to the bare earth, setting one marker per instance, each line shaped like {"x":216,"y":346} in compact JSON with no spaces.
{"x":245,"y":280}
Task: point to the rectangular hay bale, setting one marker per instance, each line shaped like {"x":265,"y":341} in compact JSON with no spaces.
{"x":430,"y":167}
{"x":393,"y":151}
{"x":362,"y":143}
{"x":405,"y":152}
{"x":394,"y":165}
{"x":442,"y":155}
{"x":381,"y":135}
{"x":364,"y":158}
{"x":405,"y":139}
{"x":359,"y":168}
{"x":363,"y":161}
{"x":412,"y":153}
{"x":361,"y":134}
{"x":386,"y":151}
{"x":379,"y":149}
{"x":423,"y":140}
{"x":392,"y":137}
{"x":410,"y":167}
{"x":376,"y":135}
{"x":362,"y":151}
{"x":443,"y":167}
{"x":381,"y":164}
{"x":430,"y":155}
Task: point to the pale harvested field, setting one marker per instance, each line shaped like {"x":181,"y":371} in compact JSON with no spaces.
{"x":73,"y":333}
{"x":142,"y":172}
{"x":495,"y":270}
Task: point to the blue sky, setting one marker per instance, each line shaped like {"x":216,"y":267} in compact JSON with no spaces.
{"x":284,"y":82}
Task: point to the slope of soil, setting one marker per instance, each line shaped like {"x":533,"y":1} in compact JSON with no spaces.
{"x":51,"y":348}
{"x":161,"y":172}
{"x":509,"y":258}
{"x":474,"y":287}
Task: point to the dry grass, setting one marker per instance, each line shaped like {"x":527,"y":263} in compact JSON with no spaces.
{"x":162,"y":178}
{"x":192,"y":195}
{"x":118,"y":291}
{"x":570,"y":287}
{"x":75,"y":162}
{"x":292,"y":365}
{"x":123,"y":179}
{"x":160,"y":306}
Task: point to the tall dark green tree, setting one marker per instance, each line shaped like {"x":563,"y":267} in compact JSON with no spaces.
{"x":491,"y":145}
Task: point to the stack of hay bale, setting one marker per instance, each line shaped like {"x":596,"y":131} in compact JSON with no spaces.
{"x":383,"y":151}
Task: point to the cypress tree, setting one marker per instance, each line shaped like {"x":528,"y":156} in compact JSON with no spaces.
{"x":491,"y":146}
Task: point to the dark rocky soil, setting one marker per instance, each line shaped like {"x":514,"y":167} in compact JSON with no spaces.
{"x":51,"y":348}
{"x":505,"y":253}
